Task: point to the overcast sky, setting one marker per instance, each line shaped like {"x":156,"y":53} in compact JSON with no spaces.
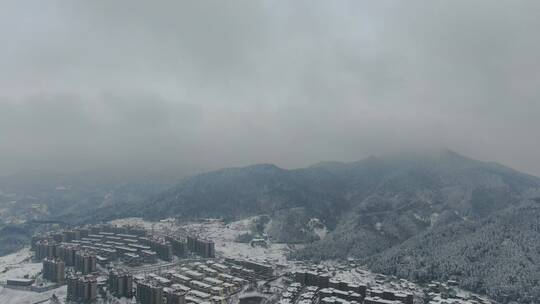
{"x":209,"y":84}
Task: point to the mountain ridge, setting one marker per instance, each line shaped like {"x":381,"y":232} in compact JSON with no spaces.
{"x":376,"y":209}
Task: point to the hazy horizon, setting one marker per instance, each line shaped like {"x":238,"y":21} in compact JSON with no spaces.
{"x":172,"y":86}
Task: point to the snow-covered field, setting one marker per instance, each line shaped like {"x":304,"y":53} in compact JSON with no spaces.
{"x":17,"y":265}
{"x":163,"y":226}
{"x":14,"y":296}
{"x":222,"y":234}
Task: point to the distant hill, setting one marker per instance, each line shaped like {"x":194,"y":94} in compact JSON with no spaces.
{"x":394,"y":199}
{"x":75,"y":197}
{"x":239,"y":192}
{"x":393,"y":212}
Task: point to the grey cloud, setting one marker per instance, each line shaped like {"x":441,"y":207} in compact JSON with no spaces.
{"x":211,"y":84}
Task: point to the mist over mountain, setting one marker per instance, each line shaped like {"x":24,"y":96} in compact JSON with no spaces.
{"x":436,"y":182}
{"x":74,"y":198}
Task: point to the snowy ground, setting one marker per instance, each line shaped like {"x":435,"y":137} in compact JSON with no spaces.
{"x":222,"y":234}
{"x":358,"y":274}
{"x":14,"y":296}
{"x":163,"y":226}
{"x":17,"y":265}
{"x":364,"y":276}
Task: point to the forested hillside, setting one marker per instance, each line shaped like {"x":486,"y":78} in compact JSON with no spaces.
{"x":402,"y":215}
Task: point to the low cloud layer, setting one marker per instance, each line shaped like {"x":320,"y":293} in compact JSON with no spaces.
{"x":197,"y":84}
